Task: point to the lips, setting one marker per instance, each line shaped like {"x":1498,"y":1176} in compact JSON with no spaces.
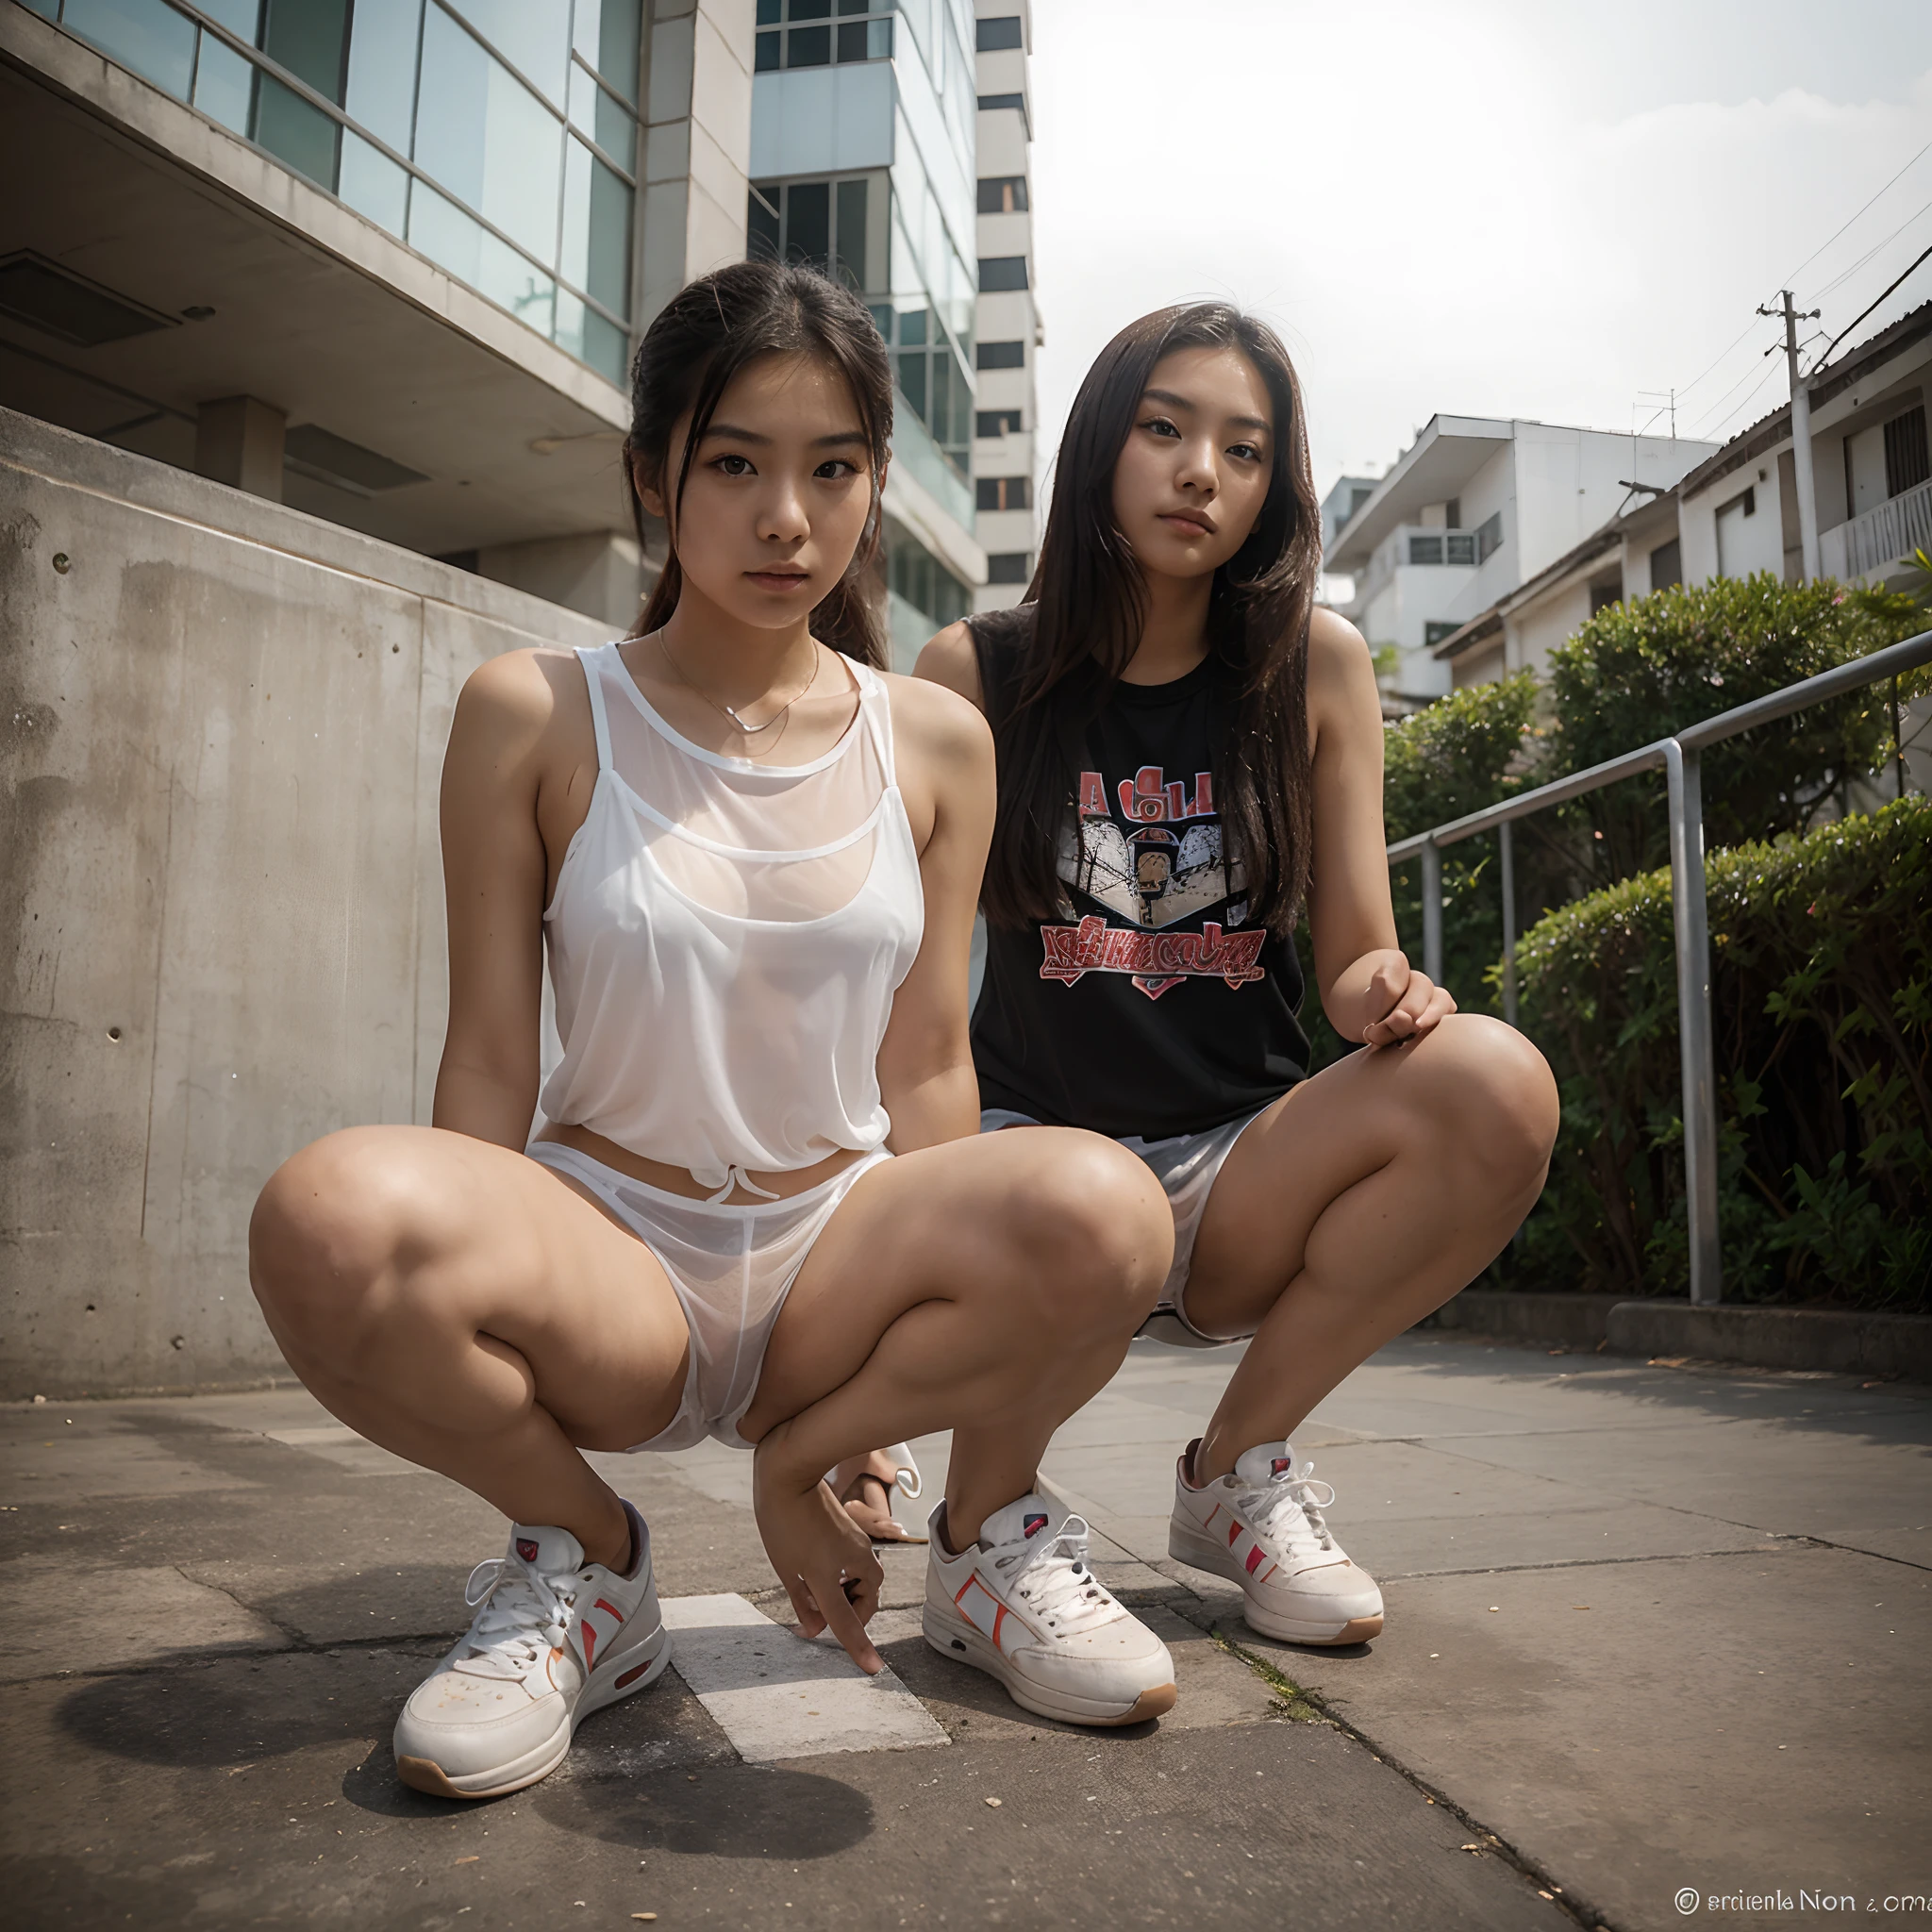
{"x":1186,"y":520}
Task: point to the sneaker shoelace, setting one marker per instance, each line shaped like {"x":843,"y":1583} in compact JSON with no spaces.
{"x":523,"y":1615}
{"x":1053,"y":1577}
{"x":1288,"y":1503}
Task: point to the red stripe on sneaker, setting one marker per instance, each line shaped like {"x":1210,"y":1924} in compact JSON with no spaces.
{"x":590,"y":1632}
{"x":1254,"y":1558}
{"x":999,"y":1617}
{"x":631,"y":1675}
{"x":611,"y":1611}
{"x":1234,"y":1529}
{"x":1211,"y":1515}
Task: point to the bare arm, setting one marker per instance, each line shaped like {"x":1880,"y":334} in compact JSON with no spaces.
{"x":1369,"y":991}
{"x":947,"y":773}
{"x":494,"y":874}
{"x":950,"y":659}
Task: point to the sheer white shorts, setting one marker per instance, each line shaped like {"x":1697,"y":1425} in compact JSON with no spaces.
{"x":731,"y":1268}
{"x":1186,"y":1166}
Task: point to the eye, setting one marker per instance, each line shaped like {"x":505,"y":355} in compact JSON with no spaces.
{"x":734,"y":465}
{"x":836,"y":470}
{"x":1246,"y":451}
{"x":1160,"y":425}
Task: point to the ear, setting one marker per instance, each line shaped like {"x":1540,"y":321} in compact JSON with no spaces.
{"x":648,"y":493}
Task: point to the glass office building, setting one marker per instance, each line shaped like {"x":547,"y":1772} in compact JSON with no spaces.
{"x":499,"y":138}
{"x":863,"y":164}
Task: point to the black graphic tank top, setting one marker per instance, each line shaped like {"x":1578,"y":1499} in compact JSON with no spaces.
{"x":1151,"y":1005}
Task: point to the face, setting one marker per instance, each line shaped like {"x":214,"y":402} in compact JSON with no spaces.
{"x":1195,"y":471}
{"x":778,"y":492}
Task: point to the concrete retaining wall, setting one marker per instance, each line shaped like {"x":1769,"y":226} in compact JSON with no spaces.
{"x":222,"y":725}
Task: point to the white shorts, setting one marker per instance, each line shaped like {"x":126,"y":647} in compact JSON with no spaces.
{"x":1187,"y":1167}
{"x":731,"y":1268}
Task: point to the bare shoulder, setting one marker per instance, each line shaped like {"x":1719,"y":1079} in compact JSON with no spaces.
{"x":950,"y":659}
{"x":939,"y":722}
{"x":1342,"y":698}
{"x":511,"y":703}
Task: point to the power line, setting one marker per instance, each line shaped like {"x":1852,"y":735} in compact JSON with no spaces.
{"x":1877,"y":248}
{"x":1862,"y":314}
{"x":1791,"y":279}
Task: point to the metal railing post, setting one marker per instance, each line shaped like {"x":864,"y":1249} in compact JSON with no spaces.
{"x":1692,"y":920}
{"x":1507,"y":843}
{"x":1432,"y":911}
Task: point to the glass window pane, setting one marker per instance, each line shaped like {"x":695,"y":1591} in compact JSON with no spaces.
{"x":382,"y":68}
{"x":768,"y":13}
{"x":592,"y":338}
{"x":855,"y":5}
{"x":608,"y":121}
{"x":851,"y":262}
{"x":487,"y":138}
{"x":913,"y":380}
{"x":811,"y":10}
{"x":852,"y":43}
{"x":445,"y":233}
{"x":912,"y":326}
{"x":514,"y":282}
{"x":243,"y":17}
{"x":309,"y":38}
{"x":296,"y":131}
{"x":152,"y":39}
{"x":596,"y":230}
{"x":607,"y":36}
{"x":223,"y":84}
{"x":809,"y":222}
{"x":532,"y":35}
{"x":372,"y":184}
{"x":765,"y":55}
{"x":808,"y":46}
{"x":760,"y":227}
{"x":878,"y":39}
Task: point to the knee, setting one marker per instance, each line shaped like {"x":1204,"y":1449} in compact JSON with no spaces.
{"x":1497,"y":1099}
{"x":1095,"y":1232}
{"x":331,"y":1227}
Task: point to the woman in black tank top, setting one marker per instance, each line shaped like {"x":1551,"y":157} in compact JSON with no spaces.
{"x":1190,"y":762}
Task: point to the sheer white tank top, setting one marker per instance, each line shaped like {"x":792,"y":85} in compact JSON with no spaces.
{"x":725,"y":941}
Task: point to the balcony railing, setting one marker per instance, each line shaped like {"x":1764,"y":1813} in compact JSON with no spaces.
{"x":1882,"y":536}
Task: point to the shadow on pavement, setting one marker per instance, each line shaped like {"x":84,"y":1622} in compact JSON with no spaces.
{"x":733,"y":1811}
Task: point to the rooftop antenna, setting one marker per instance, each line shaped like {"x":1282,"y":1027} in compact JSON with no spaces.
{"x":1669,"y":398}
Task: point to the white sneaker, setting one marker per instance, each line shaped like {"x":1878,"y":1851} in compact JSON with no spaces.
{"x":1262,"y":1527}
{"x":555,"y":1639}
{"x":1023,"y":1606}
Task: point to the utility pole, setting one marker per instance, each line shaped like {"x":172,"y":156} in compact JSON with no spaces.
{"x":1801,"y":434}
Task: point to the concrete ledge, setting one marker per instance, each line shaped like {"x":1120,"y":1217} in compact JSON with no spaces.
{"x":1571,"y":1320}
{"x":1854,"y":1343}
{"x":1851,"y":1342}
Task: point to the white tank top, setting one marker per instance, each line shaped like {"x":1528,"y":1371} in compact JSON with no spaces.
{"x":725,"y":938}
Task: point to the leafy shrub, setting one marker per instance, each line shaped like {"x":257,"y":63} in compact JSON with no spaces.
{"x":1821,"y":990}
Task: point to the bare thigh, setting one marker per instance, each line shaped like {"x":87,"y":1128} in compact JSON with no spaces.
{"x":383,"y":1255}
{"x":1471,"y":1111}
{"x":1041,"y":1231}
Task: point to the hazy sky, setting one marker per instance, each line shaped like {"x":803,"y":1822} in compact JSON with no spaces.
{"x":1481,"y":206}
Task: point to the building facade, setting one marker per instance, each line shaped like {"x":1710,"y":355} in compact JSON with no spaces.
{"x":1471,"y":511}
{"x":1736,"y":513}
{"x":1005,"y":470}
{"x":384,"y":260}
{"x":862,"y":143}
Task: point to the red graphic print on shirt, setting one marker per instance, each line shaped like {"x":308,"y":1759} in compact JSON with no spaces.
{"x":1160,"y":872}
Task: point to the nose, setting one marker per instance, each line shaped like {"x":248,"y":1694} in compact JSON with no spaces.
{"x":782,"y":516}
{"x":1197,"y":471}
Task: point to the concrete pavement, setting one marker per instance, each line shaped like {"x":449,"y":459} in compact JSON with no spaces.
{"x":1650,"y":1627}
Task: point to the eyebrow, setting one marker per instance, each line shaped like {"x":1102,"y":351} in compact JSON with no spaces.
{"x":838,"y":437}
{"x":1174,"y":402}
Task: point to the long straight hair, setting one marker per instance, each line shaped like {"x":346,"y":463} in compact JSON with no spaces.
{"x":1089,"y":605}
{"x":711,"y":329}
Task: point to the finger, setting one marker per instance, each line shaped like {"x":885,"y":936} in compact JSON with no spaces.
{"x":803,"y":1607}
{"x":846,"y":1627}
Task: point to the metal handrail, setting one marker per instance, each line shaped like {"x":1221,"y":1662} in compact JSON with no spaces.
{"x":1680,"y":758}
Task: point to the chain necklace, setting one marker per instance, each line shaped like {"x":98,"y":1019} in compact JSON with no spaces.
{"x":729,"y":713}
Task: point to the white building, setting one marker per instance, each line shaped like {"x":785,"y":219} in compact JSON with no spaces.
{"x":1473,"y":508}
{"x":1008,"y":323}
{"x":1736,"y":512}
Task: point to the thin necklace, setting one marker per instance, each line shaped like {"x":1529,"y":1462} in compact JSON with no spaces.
{"x":731,"y":711}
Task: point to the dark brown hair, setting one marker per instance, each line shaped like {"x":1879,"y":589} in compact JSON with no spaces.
{"x":709,"y":332}
{"x":1088,"y":605}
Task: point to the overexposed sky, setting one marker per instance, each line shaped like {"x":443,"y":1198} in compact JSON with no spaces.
{"x":1507,"y":208}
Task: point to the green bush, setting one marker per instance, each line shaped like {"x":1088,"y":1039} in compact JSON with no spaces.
{"x":1821,"y":990}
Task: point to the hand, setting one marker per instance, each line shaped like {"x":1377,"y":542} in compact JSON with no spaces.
{"x":1404,"y":1003}
{"x":864,"y":1485}
{"x":822,"y":1557}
